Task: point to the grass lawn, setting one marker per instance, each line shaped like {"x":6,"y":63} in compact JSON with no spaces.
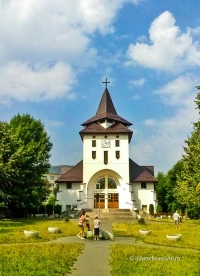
{"x":38,"y":259}
{"x":141,"y":261}
{"x":189,"y":230}
{"x":174,"y":259}
{"x":22,"y":256}
{"x":12,"y":231}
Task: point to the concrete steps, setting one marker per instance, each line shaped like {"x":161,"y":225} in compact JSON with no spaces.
{"x":111,"y":213}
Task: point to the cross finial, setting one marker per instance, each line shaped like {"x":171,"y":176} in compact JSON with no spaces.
{"x":106,"y":82}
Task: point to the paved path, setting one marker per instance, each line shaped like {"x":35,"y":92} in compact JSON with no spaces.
{"x":94,"y":260}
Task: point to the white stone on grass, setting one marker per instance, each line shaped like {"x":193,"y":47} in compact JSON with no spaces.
{"x":54,"y":230}
{"x":145,"y":232}
{"x":31,"y":233}
{"x":174,"y":237}
{"x":107,"y":235}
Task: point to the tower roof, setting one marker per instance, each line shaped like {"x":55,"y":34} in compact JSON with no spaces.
{"x":106,"y":110}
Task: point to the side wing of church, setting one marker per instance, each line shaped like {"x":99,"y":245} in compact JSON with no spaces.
{"x":107,"y":178}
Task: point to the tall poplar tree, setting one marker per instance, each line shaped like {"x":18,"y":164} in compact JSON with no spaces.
{"x":24,"y":159}
{"x":187,"y":191}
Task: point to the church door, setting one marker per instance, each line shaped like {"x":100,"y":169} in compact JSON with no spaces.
{"x":105,"y":196}
{"x":99,"y":201}
{"x":113,"y":200}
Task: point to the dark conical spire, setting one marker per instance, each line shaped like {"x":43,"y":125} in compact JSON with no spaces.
{"x":106,"y":111}
{"x":106,"y":105}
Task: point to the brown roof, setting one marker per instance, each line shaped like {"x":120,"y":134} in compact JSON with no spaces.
{"x":115,"y":128}
{"x":137,"y":173}
{"x":75,"y":174}
{"x":141,"y":173}
{"x":65,"y":169}
{"x":106,"y":110}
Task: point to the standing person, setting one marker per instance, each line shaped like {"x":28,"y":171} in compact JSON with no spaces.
{"x":87,"y":222}
{"x":81,"y":221}
{"x":176,"y":218}
{"x":96,"y":224}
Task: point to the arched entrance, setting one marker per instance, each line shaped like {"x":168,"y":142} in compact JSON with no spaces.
{"x":106,"y":194}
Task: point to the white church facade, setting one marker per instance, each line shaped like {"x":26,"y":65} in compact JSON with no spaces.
{"x":107,"y":178}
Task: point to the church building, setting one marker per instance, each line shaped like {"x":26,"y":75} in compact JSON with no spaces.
{"x":107,"y":178}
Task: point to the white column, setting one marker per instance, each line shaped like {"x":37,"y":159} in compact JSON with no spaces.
{"x":106,"y":192}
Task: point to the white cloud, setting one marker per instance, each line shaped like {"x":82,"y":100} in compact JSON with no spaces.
{"x":181,"y":91}
{"x":35,"y":35}
{"x":21,"y":82}
{"x":169,"y":48}
{"x":139,"y":82}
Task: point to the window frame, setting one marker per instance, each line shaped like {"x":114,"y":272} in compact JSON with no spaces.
{"x":94,"y":154}
{"x":117,"y":143}
{"x":68,"y":185}
{"x":143,"y":185}
{"x":94,"y":143}
{"x":105,"y":155}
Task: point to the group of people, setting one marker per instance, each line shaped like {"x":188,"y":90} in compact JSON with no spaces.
{"x":86,"y":219}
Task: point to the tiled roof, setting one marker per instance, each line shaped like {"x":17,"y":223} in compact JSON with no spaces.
{"x":137,"y":173}
{"x":75,"y":174}
{"x":115,"y":128}
{"x":106,"y":110}
{"x":141,"y":173}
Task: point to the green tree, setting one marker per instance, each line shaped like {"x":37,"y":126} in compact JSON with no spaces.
{"x":24,"y":158}
{"x":161,"y":191}
{"x":188,"y":184}
{"x":165,"y":188}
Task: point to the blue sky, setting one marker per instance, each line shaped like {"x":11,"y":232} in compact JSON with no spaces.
{"x":54,"y":56}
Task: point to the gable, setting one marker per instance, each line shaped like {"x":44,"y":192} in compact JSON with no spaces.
{"x":75,"y":174}
{"x":141,"y":173}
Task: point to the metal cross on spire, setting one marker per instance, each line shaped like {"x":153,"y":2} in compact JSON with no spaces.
{"x":106,"y":82}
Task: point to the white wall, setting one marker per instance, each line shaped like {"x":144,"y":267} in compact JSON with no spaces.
{"x":69,"y":196}
{"x":144,"y":196}
{"x":91,"y":166}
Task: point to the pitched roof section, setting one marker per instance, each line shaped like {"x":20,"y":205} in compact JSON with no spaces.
{"x":141,"y":173}
{"x":115,"y":128}
{"x":106,"y":110}
{"x":136,"y":173}
{"x":75,"y":174}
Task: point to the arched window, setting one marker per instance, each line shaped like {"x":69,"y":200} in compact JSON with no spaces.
{"x":111,"y":184}
{"x":106,"y":182}
{"x":101,"y":182}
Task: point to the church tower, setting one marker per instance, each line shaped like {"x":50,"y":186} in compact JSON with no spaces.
{"x":106,"y":137}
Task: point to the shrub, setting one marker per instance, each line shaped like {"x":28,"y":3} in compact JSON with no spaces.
{"x":151,"y":209}
{"x":57,"y":209}
{"x":141,"y":221}
{"x":49,"y":209}
{"x":41,"y":209}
